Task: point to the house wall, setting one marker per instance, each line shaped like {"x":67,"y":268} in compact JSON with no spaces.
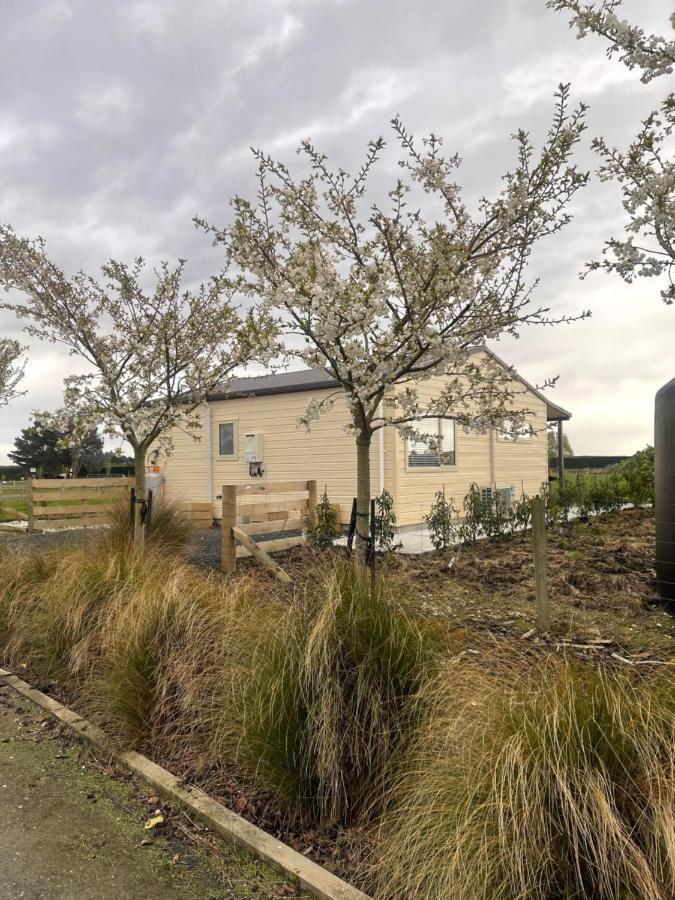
{"x":522,"y":463}
{"x":326,"y":453}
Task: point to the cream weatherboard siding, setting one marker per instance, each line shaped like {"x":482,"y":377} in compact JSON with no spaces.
{"x":326,"y":453}
{"x":522,"y":464}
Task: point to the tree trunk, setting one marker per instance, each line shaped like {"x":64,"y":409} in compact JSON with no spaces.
{"x":139,"y":465}
{"x":363,"y":442}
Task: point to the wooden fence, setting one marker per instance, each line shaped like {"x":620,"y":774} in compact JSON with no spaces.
{"x":260,"y":509}
{"x":75,"y":502}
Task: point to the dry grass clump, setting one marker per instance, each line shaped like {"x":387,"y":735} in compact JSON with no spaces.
{"x":170,"y":529}
{"x":152,"y":646}
{"x":329,"y":700}
{"x":535,"y":780}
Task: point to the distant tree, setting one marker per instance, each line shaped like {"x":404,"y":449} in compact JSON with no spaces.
{"x":39,"y":448}
{"x":645,"y":171}
{"x":552,"y":442}
{"x":154,"y":355}
{"x":11,"y":370}
{"x":83,"y":444}
{"x":53,"y":448}
{"x":383,"y":297}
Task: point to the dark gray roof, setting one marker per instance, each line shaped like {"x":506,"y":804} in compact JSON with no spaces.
{"x":281,"y":383}
{"x":320,"y":380}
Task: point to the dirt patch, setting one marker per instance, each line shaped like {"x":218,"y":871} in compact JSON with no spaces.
{"x":600,"y":578}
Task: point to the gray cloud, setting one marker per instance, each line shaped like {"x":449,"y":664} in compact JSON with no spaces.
{"x":119,"y":122}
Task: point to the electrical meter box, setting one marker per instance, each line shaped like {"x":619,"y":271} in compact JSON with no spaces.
{"x":253,"y":447}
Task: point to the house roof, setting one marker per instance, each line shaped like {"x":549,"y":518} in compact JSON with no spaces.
{"x":320,"y":379}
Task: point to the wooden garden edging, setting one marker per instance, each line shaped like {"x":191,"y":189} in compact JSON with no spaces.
{"x":75,"y":502}
{"x":267,"y":514}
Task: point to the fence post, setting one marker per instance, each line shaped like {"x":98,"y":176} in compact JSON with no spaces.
{"x":539,"y":542}
{"x":31,"y":504}
{"x":312,"y":500}
{"x":228,"y":557}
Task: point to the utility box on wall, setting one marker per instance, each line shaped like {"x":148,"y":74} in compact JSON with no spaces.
{"x":253,"y":447}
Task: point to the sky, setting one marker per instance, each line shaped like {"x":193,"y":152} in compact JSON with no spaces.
{"x":121,"y":121}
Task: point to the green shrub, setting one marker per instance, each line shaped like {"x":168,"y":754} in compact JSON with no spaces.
{"x":442,"y":522}
{"x":537,"y":781}
{"x":385,"y":523}
{"x":637,"y":473}
{"x":327,"y":526}
{"x":329,"y":699}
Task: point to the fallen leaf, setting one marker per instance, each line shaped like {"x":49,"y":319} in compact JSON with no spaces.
{"x":154,"y":822}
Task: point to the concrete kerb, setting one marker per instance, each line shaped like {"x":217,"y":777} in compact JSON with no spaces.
{"x":312,"y":877}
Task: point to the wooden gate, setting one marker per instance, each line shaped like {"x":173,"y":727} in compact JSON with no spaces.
{"x":260,"y":509}
{"x":75,"y":502}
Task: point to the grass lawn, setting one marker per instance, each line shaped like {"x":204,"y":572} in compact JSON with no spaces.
{"x":18,"y":505}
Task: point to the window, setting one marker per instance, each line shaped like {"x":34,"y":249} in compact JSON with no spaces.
{"x":226,"y":439}
{"x":439,"y":451}
{"x":509,"y":431}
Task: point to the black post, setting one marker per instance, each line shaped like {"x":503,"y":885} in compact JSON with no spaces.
{"x":352,"y":527}
{"x":664,"y":485}
{"x":561,"y":456}
{"x":373,"y":530}
{"x":148,"y":512}
{"x":132,"y":509}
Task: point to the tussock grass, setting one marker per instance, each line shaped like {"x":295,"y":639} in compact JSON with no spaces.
{"x":329,"y":700}
{"x":535,"y":780}
{"x":170,"y":529}
{"x":155,"y":648}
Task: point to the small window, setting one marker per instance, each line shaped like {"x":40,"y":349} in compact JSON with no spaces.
{"x":439,"y":450}
{"x":226,"y":436}
{"x":509,"y":432}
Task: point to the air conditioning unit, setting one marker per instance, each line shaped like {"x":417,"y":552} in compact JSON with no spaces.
{"x":501,"y":498}
{"x":253,"y":447}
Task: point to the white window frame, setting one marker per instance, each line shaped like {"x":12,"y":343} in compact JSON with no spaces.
{"x":235,"y":440}
{"x":433,"y":467}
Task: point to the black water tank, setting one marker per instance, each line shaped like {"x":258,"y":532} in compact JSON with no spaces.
{"x":664,"y":476}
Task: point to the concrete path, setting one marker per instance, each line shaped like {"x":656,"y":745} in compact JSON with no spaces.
{"x":71,"y":830}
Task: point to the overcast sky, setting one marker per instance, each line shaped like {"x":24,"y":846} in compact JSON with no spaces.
{"x":120,"y":121}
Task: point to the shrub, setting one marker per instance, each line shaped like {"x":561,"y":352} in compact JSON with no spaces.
{"x":385,"y":523}
{"x":329,"y":699}
{"x":327,"y":527}
{"x":637,"y":473}
{"x":552,"y":780}
{"x":441,"y":520}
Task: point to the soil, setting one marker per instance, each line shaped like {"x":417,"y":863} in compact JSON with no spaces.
{"x":601,"y":584}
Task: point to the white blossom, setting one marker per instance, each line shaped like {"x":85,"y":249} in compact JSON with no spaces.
{"x":11,"y":370}
{"x":645,"y":171}
{"x":382,"y":297}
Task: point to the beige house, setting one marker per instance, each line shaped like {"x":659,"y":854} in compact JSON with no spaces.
{"x":250,"y":434}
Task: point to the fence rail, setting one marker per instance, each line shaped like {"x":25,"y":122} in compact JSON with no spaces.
{"x":75,"y":502}
{"x":259,"y":509}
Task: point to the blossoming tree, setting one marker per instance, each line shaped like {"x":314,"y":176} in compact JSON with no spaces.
{"x":154,"y":355}
{"x":646,"y":170}
{"x":383,"y":296}
{"x":11,"y":370}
